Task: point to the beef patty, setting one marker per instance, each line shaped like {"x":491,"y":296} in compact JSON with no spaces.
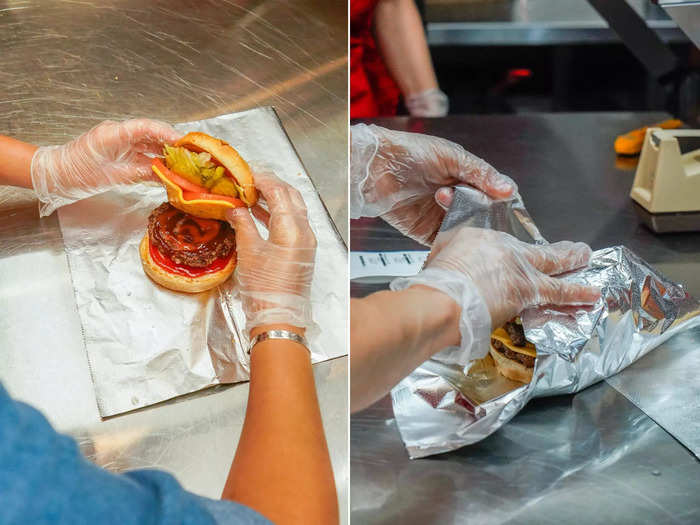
{"x":516,"y":332}
{"x":524,"y":359}
{"x":189,"y":240}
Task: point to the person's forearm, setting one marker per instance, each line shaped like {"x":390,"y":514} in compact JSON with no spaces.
{"x":16,"y":165}
{"x":391,"y":333}
{"x":282,"y":468}
{"x":399,"y":33}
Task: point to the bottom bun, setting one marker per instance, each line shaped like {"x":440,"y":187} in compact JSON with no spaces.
{"x":511,"y":369}
{"x":182,"y":283}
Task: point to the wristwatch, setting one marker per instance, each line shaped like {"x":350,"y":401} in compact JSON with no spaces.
{"x":278,"y":334}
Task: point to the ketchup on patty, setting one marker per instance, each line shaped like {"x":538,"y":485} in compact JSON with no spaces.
{"x":188,"y":245}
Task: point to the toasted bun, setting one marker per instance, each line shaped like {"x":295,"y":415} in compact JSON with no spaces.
{"x":228,"y":157}
{"x":511,"y":369}
{"x":182,"y":283}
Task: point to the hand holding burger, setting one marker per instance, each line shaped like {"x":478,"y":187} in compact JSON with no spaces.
{"x":274,"y":275}
{"x":493,"y":277}
{"x":109,"y":154}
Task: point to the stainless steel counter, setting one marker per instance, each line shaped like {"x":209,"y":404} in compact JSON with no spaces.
{"x":69,"y":65}
{"x":532,"y":22}
{"x":589,"y":458}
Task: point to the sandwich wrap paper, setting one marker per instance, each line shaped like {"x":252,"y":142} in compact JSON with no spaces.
{"x":442,"y":406}
{"x":146,"y":344}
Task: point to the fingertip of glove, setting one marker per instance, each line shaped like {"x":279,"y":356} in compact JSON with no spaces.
{"x":444,"y":197}
{"x":587,"y":294}
{"x":576,"y":249}
{"x":504,"y":187}
{"x":583,"y":251}
{"x":566,"y":293}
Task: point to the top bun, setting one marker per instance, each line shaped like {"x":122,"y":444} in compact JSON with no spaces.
{"x":209,"y":206}
{"x":228,"y":157}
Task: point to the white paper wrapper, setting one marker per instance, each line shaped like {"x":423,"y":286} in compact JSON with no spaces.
{"x":440,"y":407}
{"x":146,"y":344}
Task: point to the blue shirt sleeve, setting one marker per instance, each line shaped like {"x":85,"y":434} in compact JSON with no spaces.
{"x":44,"y":479}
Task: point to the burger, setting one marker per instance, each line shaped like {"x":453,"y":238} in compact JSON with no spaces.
{"x":205,"y":176}
{"x":189,"y":246}
{"x":513,"y":355}
{"x":186,"y":253}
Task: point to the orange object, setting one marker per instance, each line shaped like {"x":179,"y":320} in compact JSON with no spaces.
{"x":631,"y":143}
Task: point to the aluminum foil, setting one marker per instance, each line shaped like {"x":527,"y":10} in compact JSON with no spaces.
{"x":146,"y":344}
{"x":441,"y":407}
{"x":473,"y":208}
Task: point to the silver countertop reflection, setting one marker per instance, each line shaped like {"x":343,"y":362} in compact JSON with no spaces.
{"x":68,"y":65}
{"x":592,"y":457}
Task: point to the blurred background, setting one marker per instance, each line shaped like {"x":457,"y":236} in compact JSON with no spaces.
{"x":503,"y":56}
{"x":519,"y":56}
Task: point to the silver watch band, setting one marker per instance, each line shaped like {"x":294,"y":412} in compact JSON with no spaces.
{"x":277,"y":334}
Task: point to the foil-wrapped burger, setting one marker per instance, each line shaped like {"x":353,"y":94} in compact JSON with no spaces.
{"x":444,"y":406}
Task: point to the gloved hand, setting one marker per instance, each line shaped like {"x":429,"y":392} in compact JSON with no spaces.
{"x":493,"y":277}
{"x":428,"y":103}
{"x":111,"y":153}
{"x":274,"y":275}
{"x":402,"y":177}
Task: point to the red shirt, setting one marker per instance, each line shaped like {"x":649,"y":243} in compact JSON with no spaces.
{"x":373,"y":92}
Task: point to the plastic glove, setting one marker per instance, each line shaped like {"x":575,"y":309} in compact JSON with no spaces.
{"x":493,"y":277}
{"x":274,"y":274}
{"x":429,"y":103}
{"x":111,"y":153}
{"x":396,"y":175}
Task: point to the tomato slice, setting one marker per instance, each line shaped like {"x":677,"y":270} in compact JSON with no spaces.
{"x":174,"y":177}
{"x":194,"y":196}
{"x":191,"y":191}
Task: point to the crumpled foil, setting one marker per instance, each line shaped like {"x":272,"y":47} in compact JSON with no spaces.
{"x":441,"y":407}
{"x":146,"y":344}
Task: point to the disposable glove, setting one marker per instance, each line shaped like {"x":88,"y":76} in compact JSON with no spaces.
{"x":493,"y":277}
{"x":274,"y":275}
{"x":111,"y":153}
{"x":399,"y":176}
{"x":429,"y":103}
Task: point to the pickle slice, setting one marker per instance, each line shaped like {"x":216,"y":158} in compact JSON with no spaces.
{"x":199,"y":169}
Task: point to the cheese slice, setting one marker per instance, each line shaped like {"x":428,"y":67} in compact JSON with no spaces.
{"x":501,"y":335}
